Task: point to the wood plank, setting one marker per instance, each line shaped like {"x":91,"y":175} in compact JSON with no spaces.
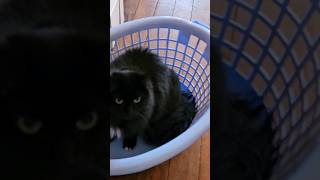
{"x":146,"y":8}
{"x":115,"y":13}
{"x":186,"y":165}
{"x":183,"y":9}
{"x":201,"y":11}
{"x":122,"y":18}
{"x":159,"y":172}
{"x":130,"y":8}
{"x":165,"y":8}
{"x":204,"y":172}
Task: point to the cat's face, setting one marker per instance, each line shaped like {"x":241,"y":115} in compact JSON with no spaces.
{"x":54,"y":92}
{"x":131,"y":99}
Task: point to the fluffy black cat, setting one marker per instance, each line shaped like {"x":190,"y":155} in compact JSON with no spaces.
{"x":53,"y":89}
{"x":145,"y":99}
{"x":242,"y":133}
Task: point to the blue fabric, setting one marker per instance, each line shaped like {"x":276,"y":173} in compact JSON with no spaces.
{"x":240,"y":89}
{"x":186,"y":92}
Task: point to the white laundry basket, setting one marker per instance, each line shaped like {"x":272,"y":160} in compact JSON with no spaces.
{"x":183,"y":46}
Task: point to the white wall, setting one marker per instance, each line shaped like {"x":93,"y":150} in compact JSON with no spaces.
{"x":116,"y":12}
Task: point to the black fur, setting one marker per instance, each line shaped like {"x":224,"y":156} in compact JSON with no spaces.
{"x":52,"y":64}
{"x":163,"y":113}
{"x":242,"y":133}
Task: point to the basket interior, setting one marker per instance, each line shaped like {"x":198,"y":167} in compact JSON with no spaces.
{"x":184,"y":53}
{"x":276,"y":46}
{"x":179,"y":51}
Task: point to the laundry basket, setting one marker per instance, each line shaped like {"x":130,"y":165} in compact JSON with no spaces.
{"x":275,"y":46}
{"x":184,"y":47}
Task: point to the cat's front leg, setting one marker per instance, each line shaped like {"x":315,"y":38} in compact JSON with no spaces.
{"x":129,"y":142}
{"x":115,"y":133}
{"x":112,"y":134}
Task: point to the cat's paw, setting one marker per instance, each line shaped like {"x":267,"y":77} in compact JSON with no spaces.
{"x":115,"y":133}
{"x":129,"y":143}
{"x":128,"y":148}
{"x":112,"y":134}
{"x":118,"y":133}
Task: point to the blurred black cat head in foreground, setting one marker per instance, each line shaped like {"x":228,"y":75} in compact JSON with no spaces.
{"x":53,"y":87}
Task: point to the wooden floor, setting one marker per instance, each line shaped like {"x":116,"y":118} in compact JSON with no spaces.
{"x":187,"y":9}
{"x":194,"y":163}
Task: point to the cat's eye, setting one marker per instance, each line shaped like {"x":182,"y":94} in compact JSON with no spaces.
{"x":137,"y":100}
{"x":29,"y":126}
{"x":88,"y":122}
{"x":119,"y":101}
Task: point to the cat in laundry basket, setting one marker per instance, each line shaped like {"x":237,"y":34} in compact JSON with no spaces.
{"x":146,"y":101}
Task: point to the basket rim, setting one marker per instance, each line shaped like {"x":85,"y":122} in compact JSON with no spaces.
{"x":155,"y":21}
{"x":170,"y":22}
{"x":162,"y":153}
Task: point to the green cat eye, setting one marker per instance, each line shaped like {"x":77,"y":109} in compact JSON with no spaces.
{"x":137,"y":100}
{"x":28,"y":126}
{"x":119,"y":101}
{"x":87,"y":123}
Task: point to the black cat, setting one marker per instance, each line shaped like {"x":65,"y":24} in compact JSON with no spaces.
{"x":146,"y":99}
{"x":53,"y":88}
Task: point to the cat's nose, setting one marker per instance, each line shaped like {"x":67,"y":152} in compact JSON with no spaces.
{"x":128,"y":111}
